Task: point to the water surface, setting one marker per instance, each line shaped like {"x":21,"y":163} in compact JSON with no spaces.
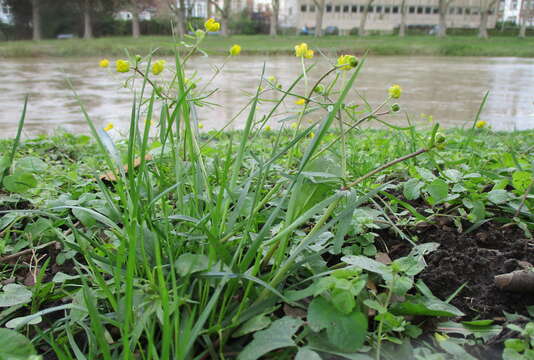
{"x":449,"y":89}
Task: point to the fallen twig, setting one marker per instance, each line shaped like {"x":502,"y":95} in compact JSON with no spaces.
{"x":521,"y":281}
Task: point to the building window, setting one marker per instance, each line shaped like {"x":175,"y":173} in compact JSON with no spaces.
{"x":419,"y":9}
{"x":451,"y":10}
{"x":412,"y":10}
{"x":428,"y":10}
{"x":395,"y":9}
{"x":468,"y":11}
{"x":311,"y":8}
{"x":362,"y":8}
{"x":378,"y":9}
{"x":475,"y":11}
{"x":354,"y":8}
{"x":460,"y":10}
{"x":387,"y":9}
{"x":435,"y":10}
{"x":337,"y":8}
{"x":303,"y":8}
{"x":328,"y":8}
{"x":345,"y":8}
{"x":370,"y":9}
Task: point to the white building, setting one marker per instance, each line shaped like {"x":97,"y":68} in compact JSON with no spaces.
{"x":514,"y":9}
{"x":6,"y":16}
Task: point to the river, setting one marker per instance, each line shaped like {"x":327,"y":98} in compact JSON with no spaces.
{"x":450,"y":89}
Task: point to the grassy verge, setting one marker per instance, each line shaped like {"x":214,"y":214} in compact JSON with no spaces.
{"x":265,"y":45}
{"x":307,"y":242}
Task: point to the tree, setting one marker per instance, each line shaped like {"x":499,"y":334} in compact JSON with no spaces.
{"x":319,"y":12}
{"x":402,"y":26}
{"x":36,"y":20}
{"x":87,"y":26}
{"x":135,"y":7}
{"x":526,"y":14}
{"x":224,"y":11}
{"x":443,"y":9}
{"x":363,"y":20}
{"x":180,"y":15}
{"x":273,"y":31}
{"x":486,"y":8}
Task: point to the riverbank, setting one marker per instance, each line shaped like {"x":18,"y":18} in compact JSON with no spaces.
{"x":265,"y":45}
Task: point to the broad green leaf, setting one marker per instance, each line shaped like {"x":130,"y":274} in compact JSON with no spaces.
{"x":343,"y":300}
{"x":453,"y":174}
{"x":14,"y":346}
{"x":455,"y":350}
{"x":307,"y":354}
{"x":438,"y":191}
{"x":23,"y":320}
{"x":278,"y":335}
{"x":14,"y":294}
{"x":521,"y":180}
{"x":426,"y":174}
{"x":4,"y":163}
{"x":401,"y":285}
{"x":190,"y":263}
{"x":366,"y":263}
{"x":254,"y":324}
{"x":418,"y":305}
{"x":31,"y":164}
{"x":19,"y":182}
{"x":499,"y":196}
{"x":412,"y":189}
{"x":347,"y":332}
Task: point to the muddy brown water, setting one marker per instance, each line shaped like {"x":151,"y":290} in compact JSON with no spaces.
{"x":449,"y":89}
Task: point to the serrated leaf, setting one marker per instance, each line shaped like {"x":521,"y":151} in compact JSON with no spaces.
{"x":438,"y":191}
{"x":412,"y":189}
{"x":14,"y":294}
{"x":278,"y":335}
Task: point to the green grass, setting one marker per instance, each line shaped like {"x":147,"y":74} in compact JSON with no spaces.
{"x":265,"y":45}
{"x":219,"y":244}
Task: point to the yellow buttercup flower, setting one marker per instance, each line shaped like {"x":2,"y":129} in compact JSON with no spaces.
{"x":395,"y":91}
{"x":122,"y":66}
{"x":158,"y":67}
{"x":480,"y":124}
{"x":211,"y":25}
{"x":108,"y":127}
{"x":235,"y":50}
{"x":312,"y":135}
{"x":267,"y":128}
{"x":300,"y":101}
{"x":104,"y":63}
{"x":200,"y":125}
{"x":294,"y":125}
{"x":303,"y":51}
{"x":347,"y":62}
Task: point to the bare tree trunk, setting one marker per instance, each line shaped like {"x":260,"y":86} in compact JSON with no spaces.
{"x":319,"y":13}
{"x":87,"y":26}
{"x":181,"y":19}
{"x":36,"y":20}
{"x":208,"y":9}
{"x":363,"y":20}
{"x":273,"y":31}
{"x":442,"y":25}
{"x":523,"y":16}
{"x":136,"y":28}
{"x":225,"y":16}
{"x":402,"y":26}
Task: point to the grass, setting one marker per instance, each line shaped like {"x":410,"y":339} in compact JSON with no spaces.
{"x":220,"y":244}
{"x":265,"y":45}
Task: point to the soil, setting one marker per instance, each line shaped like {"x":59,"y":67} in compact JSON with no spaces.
{"x":473,"y":258}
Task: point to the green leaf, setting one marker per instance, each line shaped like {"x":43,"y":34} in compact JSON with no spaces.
{"x":347,"y":332}
{"x":307,"y":354}
{"x":426,"y":174}
{"x":31,"y":164}
{"x":418,"y":305}
{"x":455,"y":350}
{"x":366,"y":263}
{"x":478,"y":322}
{"x":254,"y":324}
{"x":15,"y":346}
{"x":19,"y":182}
{"x":343,"y":300}
{"x":521,"y":180}
{"x":189,"y":263}
{"x":438,"y":191}
{"x":14,"y":294}
{"x":499,"y":196}
{"x":278,"y":335}
{"x":412,"y":189}
{"x":401,"y":285}
{"x":453,"y":174}
{"x":23,"y":320}
{"x":4,"y":163}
